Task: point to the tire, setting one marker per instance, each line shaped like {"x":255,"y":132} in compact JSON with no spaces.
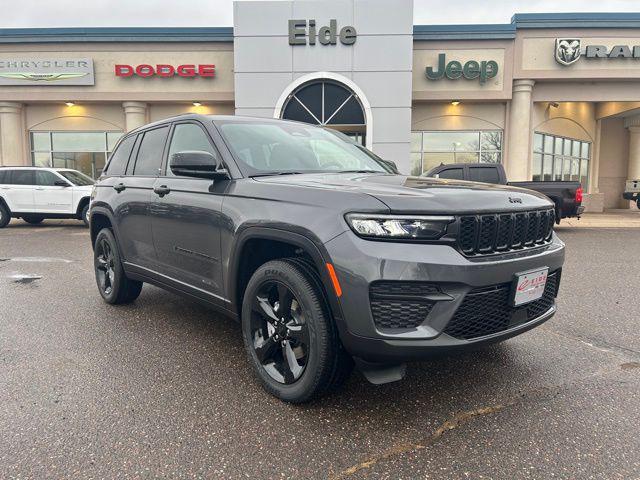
{"x":638,"y":202}
{"x":5,"y":218}
{"x":113,"y":284}
{"x":84,"y":215}
{"x":299,"y":358}
{"x":33,"y":219}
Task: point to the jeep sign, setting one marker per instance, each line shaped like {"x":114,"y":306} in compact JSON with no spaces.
{"x":483,"y":70}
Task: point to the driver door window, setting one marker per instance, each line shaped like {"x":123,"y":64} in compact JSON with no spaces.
{"x":189,"y":136}
{"x":49,"y":197}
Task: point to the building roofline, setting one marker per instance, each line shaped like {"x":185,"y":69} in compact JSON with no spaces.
{"x":577,"y":20}
{"x":498,"y":31}
{"x":116,"y":34}
{"x":464,"y":32}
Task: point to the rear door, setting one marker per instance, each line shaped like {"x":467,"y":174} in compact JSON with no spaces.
{"x":186,"y":221}
{"x":52,"y":198}
{"x":135,"y":191}
{"x":18,"y":190}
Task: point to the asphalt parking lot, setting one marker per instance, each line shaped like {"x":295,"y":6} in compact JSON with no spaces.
{"x":161,"y":388}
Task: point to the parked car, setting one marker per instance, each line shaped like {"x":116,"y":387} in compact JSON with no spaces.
{"x":324,"y":254}
{"x":632,"y":191}
{"x":36,"y":193}
{"x":567,"y":196}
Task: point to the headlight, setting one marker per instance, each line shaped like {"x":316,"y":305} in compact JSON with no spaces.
{"x":399,"y":226}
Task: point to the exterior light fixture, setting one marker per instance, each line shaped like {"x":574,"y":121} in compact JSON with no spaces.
{"x":69,"y":104}
{"x":554,"y":104}
{"x":455,"y":102}
{"x":197,"y":104}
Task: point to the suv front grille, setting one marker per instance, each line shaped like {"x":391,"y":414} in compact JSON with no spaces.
{"x":397,"y":304}
{"x":485,"y":311}
{"x":494,"y":233}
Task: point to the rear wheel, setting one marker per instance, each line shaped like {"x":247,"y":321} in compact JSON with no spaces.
{"x":289,"y":334}
{"x":113,"y":284}
{"x":5,"y":218}
{"x":33,"y":219}
{"x":638,"y":202}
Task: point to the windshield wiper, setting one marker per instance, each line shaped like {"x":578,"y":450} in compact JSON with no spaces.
{"x":358,"y":171}
{"x":270,"y":174}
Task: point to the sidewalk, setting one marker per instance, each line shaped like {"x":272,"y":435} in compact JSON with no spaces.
{"x":608,"y":219}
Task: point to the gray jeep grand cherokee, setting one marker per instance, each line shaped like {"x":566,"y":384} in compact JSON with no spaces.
{"x":325,"y":254}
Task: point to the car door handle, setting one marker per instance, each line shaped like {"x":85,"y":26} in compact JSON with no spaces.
{"x":119,"y":187}
{"x":162,"y":190}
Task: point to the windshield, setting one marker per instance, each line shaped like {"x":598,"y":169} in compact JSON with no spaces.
{"x":77,"y":178}
{"x":273,"y":148}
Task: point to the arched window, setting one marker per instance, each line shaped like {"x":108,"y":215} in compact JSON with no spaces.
{"x":329,"y":104}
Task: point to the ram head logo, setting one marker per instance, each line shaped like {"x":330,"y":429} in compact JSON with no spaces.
{"x":567,"y":50}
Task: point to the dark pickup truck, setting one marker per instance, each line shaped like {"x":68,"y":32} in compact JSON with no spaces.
{"x":567,"y":196}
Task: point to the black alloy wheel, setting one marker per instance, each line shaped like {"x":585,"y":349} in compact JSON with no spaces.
{"x":113,"y":284}
{"x":289,"y":334}
{"x":279,"y":332}
{"x":105,"y":263}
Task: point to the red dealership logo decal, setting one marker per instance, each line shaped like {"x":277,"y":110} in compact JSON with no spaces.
{"x":161,"y":70}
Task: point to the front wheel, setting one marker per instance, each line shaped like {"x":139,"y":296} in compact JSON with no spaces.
{"x":289,"y":334}
{"x":638,"y":202}
{"x":114,"y":286}
{"x":85,"y":215}
{"x":5,"y":218}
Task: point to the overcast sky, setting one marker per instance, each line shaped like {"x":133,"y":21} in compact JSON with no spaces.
{"x":112,"y":13}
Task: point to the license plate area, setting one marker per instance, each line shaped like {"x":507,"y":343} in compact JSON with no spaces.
{"x":529,"y":286}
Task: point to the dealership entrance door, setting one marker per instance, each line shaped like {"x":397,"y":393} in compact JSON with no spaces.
{"x":330,"y":104}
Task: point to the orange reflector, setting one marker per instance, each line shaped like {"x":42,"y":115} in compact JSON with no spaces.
{"x":334,"y":280}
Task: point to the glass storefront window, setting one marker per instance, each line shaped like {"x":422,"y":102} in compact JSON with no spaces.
{"x":567,"y":160}
{"x":432,"y":148}
{"x":83,"y":151}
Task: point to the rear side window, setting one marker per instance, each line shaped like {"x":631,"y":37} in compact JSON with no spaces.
{"x":46,"y":179}
{"x":119,"y":158}
{"x":22,"y":177}
{"x":484,"y":174}
{"x":149,"y":158}
{"x":452,"y":174}
{"x":4,"y":175}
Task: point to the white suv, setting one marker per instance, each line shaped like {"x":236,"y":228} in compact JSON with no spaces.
{"x":36,"y":193}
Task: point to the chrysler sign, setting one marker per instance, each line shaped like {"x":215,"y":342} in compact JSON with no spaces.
{"x":46,"y":71}
{"x":570,"y":50}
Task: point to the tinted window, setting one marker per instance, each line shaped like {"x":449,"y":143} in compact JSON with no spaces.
{"x":77,"y":178}
{"x":484,"y":174}
{"x":452,"y":174}
{"x":149,"y":157}
{"x":118,"y":160}
{"x":189,"y":136}
{"x":46,"y":179}
{"x":22,"y":177}
{"x":4,"y":174}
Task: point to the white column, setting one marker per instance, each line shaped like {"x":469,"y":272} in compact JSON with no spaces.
{"x":633,"y":169}
{"x":12,"y":135}
{"x":135,"y":114}
{"x":520,"y":131}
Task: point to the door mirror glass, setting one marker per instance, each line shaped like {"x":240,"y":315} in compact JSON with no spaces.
{"x":196,"y":163}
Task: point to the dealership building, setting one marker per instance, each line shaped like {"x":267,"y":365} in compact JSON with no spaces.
{"x":550,"y":96}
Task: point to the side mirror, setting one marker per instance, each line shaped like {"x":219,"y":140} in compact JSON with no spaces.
{"x":196,"y":163}
{"x":61,"y":183}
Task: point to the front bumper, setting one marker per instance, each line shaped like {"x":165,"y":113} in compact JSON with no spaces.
{"x":450,"y":277}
